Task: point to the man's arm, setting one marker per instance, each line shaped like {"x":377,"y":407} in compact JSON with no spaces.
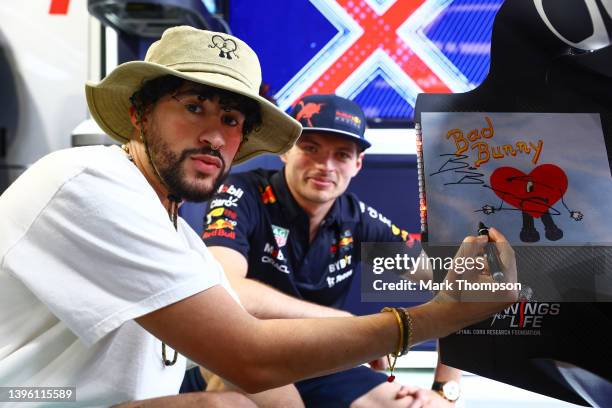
{"x":211,"y":329}
{"x":445,"y":373}
{"x":261,"y":300}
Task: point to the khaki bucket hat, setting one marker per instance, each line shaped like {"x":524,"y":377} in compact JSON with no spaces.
{"x":216,"y":59}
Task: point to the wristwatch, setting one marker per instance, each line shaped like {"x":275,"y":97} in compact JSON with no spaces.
{"x":450,"y":390}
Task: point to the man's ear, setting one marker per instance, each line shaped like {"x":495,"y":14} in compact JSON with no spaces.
{"x":283,"y":157}
{"x":135,"y":119}
{"x":359,"y":163}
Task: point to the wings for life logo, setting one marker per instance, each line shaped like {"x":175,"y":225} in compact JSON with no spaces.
{"x":526,"y":315}
{"x":520,"y":319}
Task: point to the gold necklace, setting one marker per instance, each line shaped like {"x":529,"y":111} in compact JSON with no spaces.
{"x":126,"y":149}
{"x":172,"y":212}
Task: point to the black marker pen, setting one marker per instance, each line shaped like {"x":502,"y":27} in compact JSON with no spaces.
{"x":492,"y":255}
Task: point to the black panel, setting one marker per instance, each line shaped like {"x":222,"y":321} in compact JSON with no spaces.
{"x":572,"y":20}
{"x":534,"y":71}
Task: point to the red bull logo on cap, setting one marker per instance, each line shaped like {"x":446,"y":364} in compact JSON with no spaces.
{"x":308,"y":111}
{"x":348,"y":119}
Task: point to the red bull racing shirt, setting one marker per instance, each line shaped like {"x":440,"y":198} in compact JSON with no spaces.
{"x":255,"y":214}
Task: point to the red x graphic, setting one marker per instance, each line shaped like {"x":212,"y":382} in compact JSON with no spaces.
{"x":379,"y":32}
{"x":59,"y":7}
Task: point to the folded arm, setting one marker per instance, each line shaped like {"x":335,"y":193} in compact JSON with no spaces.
{"x":261,"y":300}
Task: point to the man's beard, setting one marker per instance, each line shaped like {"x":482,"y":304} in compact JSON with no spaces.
{"x":169,"y":166}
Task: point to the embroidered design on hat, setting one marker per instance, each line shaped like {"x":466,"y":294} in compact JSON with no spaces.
{"x":348,"y":119}
{"x":308,"y":111}
{"x":226,"y":46}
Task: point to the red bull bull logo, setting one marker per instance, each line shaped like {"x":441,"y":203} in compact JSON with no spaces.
{"x":308,"y":111}
{"x":220,"y":228}
{"x":218,"y":212}
{"x":346,"y":241}
{"x":221,"y":224}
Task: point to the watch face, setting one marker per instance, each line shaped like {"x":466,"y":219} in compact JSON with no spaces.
{"x":451,"y":390}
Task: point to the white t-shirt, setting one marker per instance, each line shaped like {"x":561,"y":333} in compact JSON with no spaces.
{"x":85,"y":247}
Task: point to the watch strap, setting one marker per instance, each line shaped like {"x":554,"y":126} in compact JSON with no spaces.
{"x":437,"y":385}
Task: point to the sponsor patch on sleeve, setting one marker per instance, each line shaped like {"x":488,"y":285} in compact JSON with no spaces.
{"x":231,"y":190}
{"x":220,"y":222}
{"x":267,"y":195}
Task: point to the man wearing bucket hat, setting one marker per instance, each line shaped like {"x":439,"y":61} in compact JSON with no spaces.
{"x":104,"y":289}
{"x":298,"y":232}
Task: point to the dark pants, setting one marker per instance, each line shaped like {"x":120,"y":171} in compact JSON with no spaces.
{"x":333,"y":390}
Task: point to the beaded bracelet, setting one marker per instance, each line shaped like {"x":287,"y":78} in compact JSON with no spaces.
{"x":407,"y":324}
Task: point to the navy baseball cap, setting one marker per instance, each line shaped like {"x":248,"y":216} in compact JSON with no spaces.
{"x":332,"y":114}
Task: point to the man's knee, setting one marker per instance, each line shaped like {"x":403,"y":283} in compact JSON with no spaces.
{"x":286,"y":396}
{"x":383,"y":395}
{"x":226,"y":399}
{"x":194,"y":399}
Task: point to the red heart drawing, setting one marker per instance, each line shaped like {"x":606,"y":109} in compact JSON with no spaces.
{"x":533,"y":193}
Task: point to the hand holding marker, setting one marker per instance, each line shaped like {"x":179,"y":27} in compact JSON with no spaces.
{"x":495,"y":265}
